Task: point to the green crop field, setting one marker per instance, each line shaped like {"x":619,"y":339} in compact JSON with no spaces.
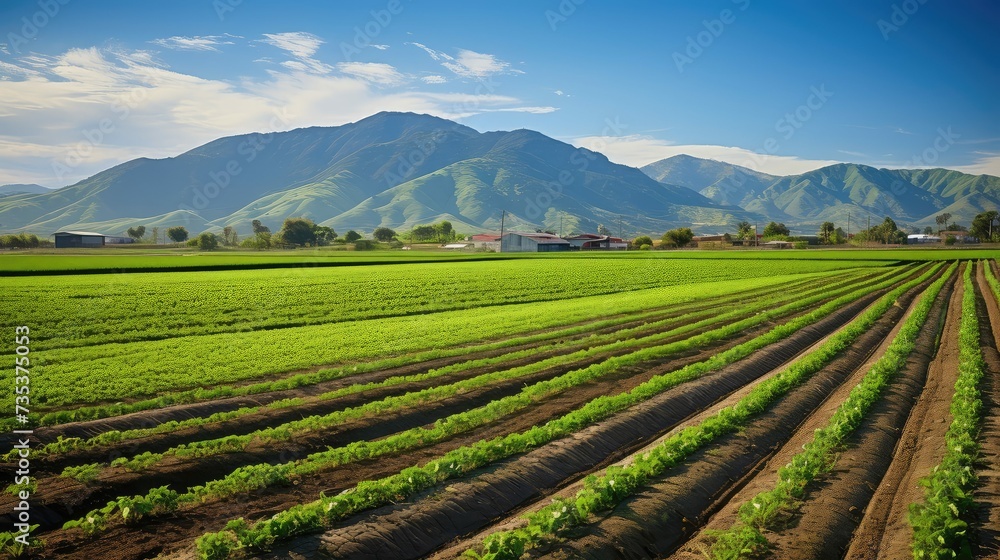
{"x":318,"y":404}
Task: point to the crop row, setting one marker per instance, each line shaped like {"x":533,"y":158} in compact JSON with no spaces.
{"x":548,"y":326}
{"x":307,"y":517}
{"x":940,"y":528}
{"x":89,"y":310}
{"x":601,"y":493}
{"x":759,"y":312}
{"x":746,"y":537}
{"x":258,"y":476}
{"x":569,"y":353}
{"x":108,"y":371}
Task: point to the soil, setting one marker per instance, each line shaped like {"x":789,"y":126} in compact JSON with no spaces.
{"x":657,"y":521}
{"x":166,"y":534}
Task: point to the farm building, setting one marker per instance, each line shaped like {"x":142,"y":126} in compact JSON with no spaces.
{"x":922,"y":238}
{"x":591,"y":241}
{"x":778,"y":245}
{"x":67,"y":239}
{"x":490,"y":241}
{"x":532,"y":243}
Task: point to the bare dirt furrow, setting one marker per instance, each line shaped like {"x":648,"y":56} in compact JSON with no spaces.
{"x":245,"y":424}
{"x":884,"y":531}
{"x":834,"y":507}
{"x":61,"y":498}
{"x":176,"y":532}
{"x":661,"y":518}
{"x":414,"y":530}
{"x":986,"y":527}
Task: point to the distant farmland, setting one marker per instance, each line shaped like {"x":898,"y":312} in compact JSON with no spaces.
{"x":642,"y":405}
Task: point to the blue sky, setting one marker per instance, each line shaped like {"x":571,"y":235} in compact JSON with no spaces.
{"x":779,"y":86}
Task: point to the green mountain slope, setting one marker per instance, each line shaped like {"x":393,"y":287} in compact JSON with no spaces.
{"x":391,"y":169}
{"x":838,"y":193}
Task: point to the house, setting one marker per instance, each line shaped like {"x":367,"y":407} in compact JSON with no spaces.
{"x":487,"y":241}
{"x":590,"y":241}
{"x":959,"y":235}
{"x":778,"y":245}
{"x":532,"y":243}
{"x":77,"y":239}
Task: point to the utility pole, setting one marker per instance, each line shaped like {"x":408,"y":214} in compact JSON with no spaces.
{"x":620,"y":226}
{"x":503,"y":213}
{"x":756,"y":241}
{"x":868,"y":233}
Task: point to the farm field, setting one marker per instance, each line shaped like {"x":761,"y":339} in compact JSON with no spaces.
{"x":632,"y":405}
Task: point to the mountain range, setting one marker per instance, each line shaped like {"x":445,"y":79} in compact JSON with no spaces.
{"x":402,"y":169}
{"x":911,"y":197}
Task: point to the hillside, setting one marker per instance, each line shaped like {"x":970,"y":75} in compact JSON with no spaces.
{"x":911,"y":197}
{"x":391,"y":169}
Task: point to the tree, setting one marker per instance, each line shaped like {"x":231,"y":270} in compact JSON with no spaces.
{"x":642,"y":240}
{"x":775,"y":229}
{"x":444,"y":230}
{"x":677,"y":237}
{"x":178,"y":234}
{"x":826,"y":232}
{"x":928,"y":230}
{"x":744,"y":230}
{"x":155,"y":235}
{"x":942,"y":220}
{"x":137,"y":232}
{"x":839,"y":237}
{"x":352,"y":236}
{"x":888,"y":232}
{"x":984,"y":226}
{"x":207,"y":241}
{"x":602,"y":230}
{"x":423,"y":232}
{"x":323,"y":235}
{"x":259,"y":228}
{"x":383,"y":234}
{"x":229,"y":237}
{"x":297,"y":231}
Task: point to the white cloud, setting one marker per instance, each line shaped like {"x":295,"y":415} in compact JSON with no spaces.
{"x":855,"y":154}
{"x":435,"y":55}
{"x":374,"y":72}
{"x":434,"y":79}
{"x":638,"y":150}
{"x":559,"y":92}
{"x":197,"y":43}
{"x":532,"y":110}
{"x":380,"y":47}
{"x":149,"y":110}
{"x":469,"y":64}
{"x":989,"y":164}
{"x":301,"y":46}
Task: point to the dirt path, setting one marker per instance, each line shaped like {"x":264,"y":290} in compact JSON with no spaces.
{"x":664,"y":517}
{"x":176,"y":531}
{"x":878,"y":470}
{"x":739,"y":452}
{"x":417,"y":529}
{"x":986,"y":533}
